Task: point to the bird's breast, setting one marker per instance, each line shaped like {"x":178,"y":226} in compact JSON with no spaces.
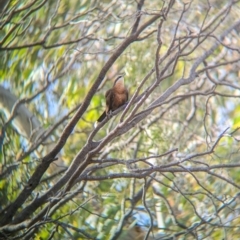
{"x":119,"y":99}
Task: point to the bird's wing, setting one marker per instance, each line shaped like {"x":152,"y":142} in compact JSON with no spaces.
{"x":109,"y":100}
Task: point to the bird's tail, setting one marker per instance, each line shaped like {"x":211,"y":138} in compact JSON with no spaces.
{"x":100,"y":119}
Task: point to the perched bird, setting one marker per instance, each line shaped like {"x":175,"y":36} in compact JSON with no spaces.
{"x":115,"y":97}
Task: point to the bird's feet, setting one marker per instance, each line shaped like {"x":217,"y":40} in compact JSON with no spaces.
{"x":109,"y":114}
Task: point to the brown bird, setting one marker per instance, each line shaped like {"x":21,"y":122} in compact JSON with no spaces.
{"x":115,"y":97}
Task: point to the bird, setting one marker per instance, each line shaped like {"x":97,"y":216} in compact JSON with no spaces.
{"x":115,"y":97}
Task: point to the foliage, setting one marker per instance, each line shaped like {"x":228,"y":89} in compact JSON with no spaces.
{"x":163,"y":166}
